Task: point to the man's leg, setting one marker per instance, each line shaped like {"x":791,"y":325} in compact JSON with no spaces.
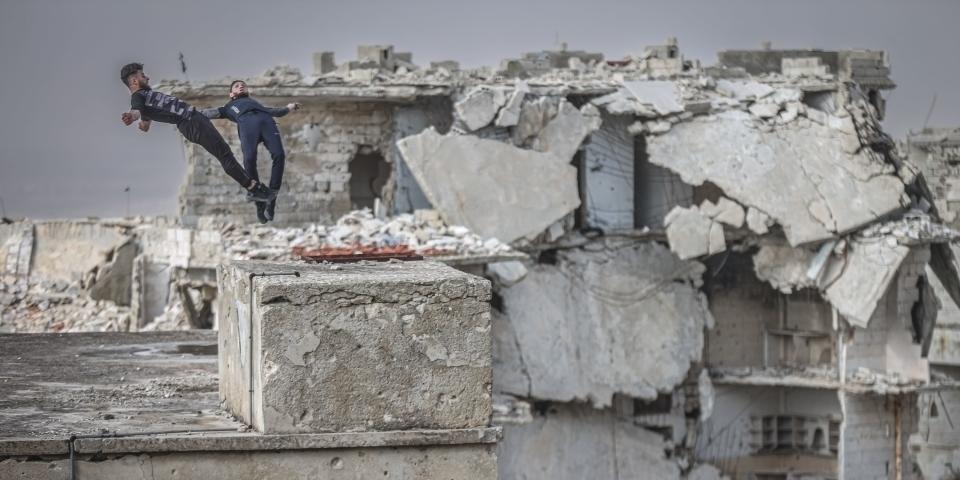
{"x":249,"y":139}
{"x":274,"y":144}
{"x":198,"y":129}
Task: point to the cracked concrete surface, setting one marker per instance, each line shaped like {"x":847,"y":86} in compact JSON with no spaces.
{"x":493,"y":188}
{"x":837,"y":192}
{"x":580,"y":329}
{"x":389,"y":346}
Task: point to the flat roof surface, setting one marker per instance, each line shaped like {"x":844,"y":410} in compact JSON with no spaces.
{"x":146,"y":392}
{"x":58,"y":385}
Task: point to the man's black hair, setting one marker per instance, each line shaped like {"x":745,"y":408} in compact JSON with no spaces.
{"x":129,"y":69}
{"x":236,"y":82}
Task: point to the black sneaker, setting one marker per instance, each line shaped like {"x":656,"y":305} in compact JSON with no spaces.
{"x":261,"y":212}
{"x":271,"y":206}
{"x":260,"y":193}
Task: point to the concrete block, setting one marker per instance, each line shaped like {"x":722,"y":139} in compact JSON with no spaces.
{"x":358,"y":347}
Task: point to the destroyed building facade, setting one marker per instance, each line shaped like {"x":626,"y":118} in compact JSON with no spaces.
{"x":716,"y":271}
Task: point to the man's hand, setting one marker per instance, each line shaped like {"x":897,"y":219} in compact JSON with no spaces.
{"x":144,"y":125}
{"x":130,"y":117}
{"x":293,"y":106}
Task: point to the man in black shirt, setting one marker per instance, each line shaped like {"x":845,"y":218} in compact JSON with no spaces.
{"x":147,"y":105}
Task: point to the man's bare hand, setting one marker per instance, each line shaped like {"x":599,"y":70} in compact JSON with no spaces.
{"x":144,"y":125}
{"x":293,"y":106}
{"x":127,"y":118}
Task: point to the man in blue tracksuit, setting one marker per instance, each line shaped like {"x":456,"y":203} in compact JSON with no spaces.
{"x":255,"y":124}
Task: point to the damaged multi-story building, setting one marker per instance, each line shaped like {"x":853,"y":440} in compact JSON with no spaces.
{"x":697,"y":271}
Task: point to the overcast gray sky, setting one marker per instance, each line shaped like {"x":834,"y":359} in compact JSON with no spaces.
{"x":64,"y":152}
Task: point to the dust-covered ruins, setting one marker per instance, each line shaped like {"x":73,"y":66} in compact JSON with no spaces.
{"x":566,"y":266}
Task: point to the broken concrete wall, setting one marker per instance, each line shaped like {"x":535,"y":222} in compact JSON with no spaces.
{"x":834,"y":192}
{"x":936,"y":444}
{"x":757,"y":326}
{"x":71,"y":251}
{"x":16,"y":250}
{"x":356,"y":347}
{"x":608,"y":176}
{"x":742,"y":307}
{"x":945,"y":345}
{"x":407,"y":195}
{"x":320,"y":141}
{"x":872,"y":426}
{"x":772,"y":430}
{"x":581,"y":325}
{"x":114,"y":278}
{"x":574,"y":441}
{"x":936,"y":152}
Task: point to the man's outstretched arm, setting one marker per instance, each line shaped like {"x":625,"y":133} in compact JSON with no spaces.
{"x":213,"y":113}
{"x":281,"y":111}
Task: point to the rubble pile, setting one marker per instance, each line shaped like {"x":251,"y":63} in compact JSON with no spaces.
{"x":423,"y":232}
{"x":44,"y":306}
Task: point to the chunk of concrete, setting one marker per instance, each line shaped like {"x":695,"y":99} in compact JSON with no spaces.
{"x":622,"y":102}
{"x":758,"y":222}
{"x":564,"y":133}
{"x":582,"y":326}
{"x":743,"y":89}
{"x":724,"y":211}
{"x":765,"y":110}
{"x":798,"y":175}
{"x":864,"y":276}
{"x":510,"y":113}
{"x":478,"y":108}
{"x":493,"y":188}
{"x":338,"y":348}
{"x":507,"y":273}
{"x":663,"y":96}
{"x":534,"y":116}
{"x":784,"y":267}
{"x":692,"y":234}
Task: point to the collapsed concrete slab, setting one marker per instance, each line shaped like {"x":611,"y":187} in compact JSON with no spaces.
{"x":580,"y":328}
{"x":853,"y":281}
{"x":320,"y":348}
{"x":798,"y":175}
{"x":864,"y":276}
{"x":493,"y":188}
{"x":663,"y":96}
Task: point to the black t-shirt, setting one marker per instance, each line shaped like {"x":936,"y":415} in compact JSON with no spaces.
{"x":160,"y":107}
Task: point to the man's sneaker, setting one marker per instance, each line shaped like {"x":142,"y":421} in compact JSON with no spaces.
{"x":261,"y":193}
{"x":271,"y":206}
{"x":261,"y":212}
